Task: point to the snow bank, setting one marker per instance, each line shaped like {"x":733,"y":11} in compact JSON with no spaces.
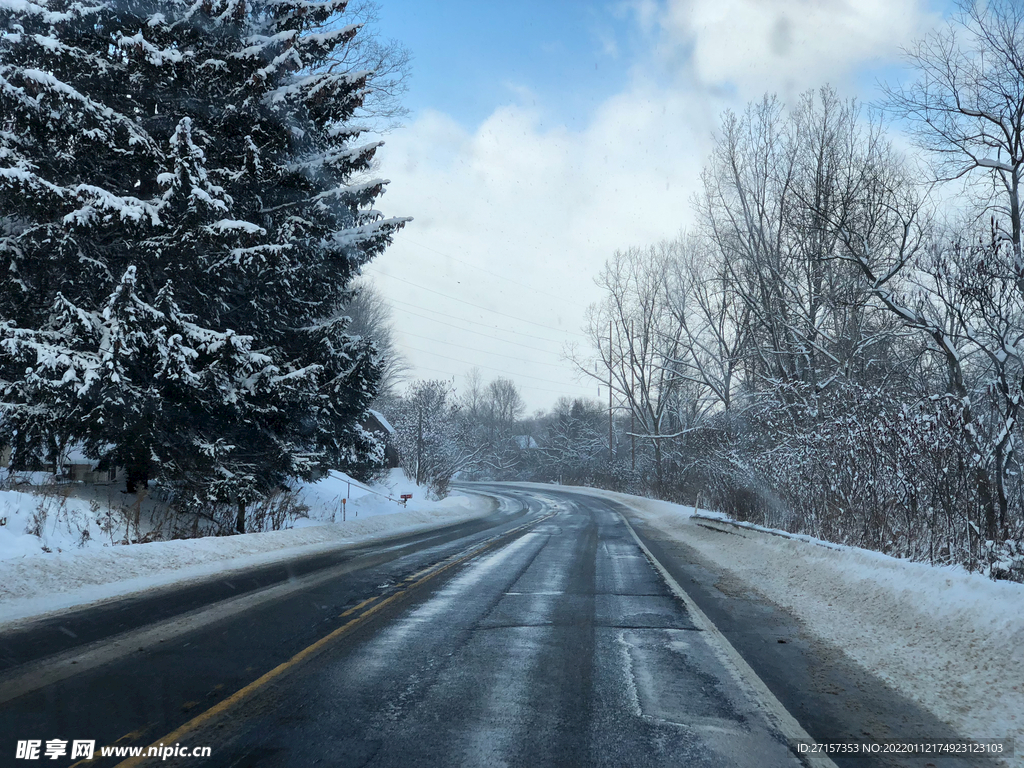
{"x":57,"y":522}
{"x":950,"y":640}
{"x":324,"y":498}
{"x":33,"y":583}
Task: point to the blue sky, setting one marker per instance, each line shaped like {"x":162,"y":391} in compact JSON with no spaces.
{"x":543,"y":136}
{"x":564,"y":56}
{"x":470,"y":57}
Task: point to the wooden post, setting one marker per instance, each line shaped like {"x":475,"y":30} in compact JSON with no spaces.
{"x":611,"y":435}
{"x":419,"y":446}
{"x":632,"y":399}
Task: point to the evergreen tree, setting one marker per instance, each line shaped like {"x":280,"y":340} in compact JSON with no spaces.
{"x":184,"y":201}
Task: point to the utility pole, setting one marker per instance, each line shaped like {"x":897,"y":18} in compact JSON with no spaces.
{"x":419,"y":446}
{"x":611,"y":434}
{"x":632,"y":399}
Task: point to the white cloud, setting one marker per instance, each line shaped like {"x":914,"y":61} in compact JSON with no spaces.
{"x":539,"y":207}
{"x":542,"y":206}
{"x":786,"y":45}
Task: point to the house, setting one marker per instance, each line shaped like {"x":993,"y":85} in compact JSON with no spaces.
{"x":526,"y":443}
{"x":75,"y":467}
{"x":376,"y":423}
{"x":80,"y":469}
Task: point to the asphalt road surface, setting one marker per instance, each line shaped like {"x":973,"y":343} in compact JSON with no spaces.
{"x":548,"y":634}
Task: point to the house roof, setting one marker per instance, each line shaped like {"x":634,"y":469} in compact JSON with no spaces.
{"x":383,"y":421}
{"x":76,"y":455}
{"x":526,"y":442}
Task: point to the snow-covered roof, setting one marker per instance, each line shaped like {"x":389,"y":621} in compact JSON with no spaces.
{"x":76,"y":455}
{"x":526,"y":442}
{"x":383,"y":422}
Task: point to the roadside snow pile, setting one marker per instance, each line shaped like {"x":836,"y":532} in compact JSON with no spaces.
{"x":32,"y":523}
{"x":951,"y":640}
{"x":324,"y":497}
{"x":64,"y":518}
{"x":33,"y":582}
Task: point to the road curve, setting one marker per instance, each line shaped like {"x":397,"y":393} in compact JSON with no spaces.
{"x":548,"y":634}
{"x":563,"y":646}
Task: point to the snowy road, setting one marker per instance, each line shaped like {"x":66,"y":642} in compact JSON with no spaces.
{"x":547,"y":640}
{"x":562,"y":647}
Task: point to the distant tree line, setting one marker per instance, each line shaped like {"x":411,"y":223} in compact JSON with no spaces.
{"x":441,"y":434}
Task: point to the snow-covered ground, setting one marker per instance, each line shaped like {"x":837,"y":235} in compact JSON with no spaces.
{"x":51,"y":519}
{"x":75,"y":572}
{"x":950,"y":640}
{"x":324,"y":498}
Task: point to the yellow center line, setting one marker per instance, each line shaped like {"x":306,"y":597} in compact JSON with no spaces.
{"x":244,"y":693}
{"x":355,"y":608}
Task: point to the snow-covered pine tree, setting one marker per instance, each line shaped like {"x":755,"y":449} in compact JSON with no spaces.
{"x":190,"y":174}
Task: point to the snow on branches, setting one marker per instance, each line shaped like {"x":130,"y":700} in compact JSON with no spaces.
{"x":183,"y":201}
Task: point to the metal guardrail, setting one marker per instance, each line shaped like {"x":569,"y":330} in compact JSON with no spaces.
{"x":761,"y":529}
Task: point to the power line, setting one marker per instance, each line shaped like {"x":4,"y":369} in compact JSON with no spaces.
{"x":404,"y":307}
{"x":486,"y":271}
{"x":471,"y":304}
{"x":490,"y":368}
{"x":484,"y":351}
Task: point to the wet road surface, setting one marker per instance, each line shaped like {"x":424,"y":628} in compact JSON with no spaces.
{"x":544,"y":636}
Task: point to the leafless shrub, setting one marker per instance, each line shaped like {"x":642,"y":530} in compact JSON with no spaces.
{"x":196,"y":518}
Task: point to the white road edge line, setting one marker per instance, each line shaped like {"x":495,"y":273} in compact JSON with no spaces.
{"x":745,"y":676}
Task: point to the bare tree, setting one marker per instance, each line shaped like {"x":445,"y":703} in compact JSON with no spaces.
{"x":432,"y":435}
{"x":966,"y":106}
{"x":966,"y":109}
{"x":776,"y":183}
{"x":637,"y":339}
{"x":574,"y":442}
{"x":389,"y":61}
{"x":504,"y":404}
{"x":370,"y":315}
{"x":969,"y":306}
{"x":714,"y":319}
{"x":742,"y":209}
{"x":499,"y":427}
{"x":473,"y":398}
